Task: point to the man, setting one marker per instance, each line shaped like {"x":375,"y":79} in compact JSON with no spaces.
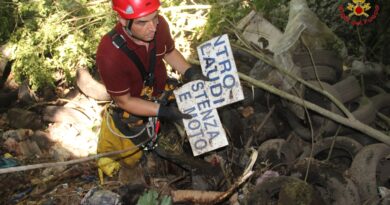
{"x":130,"y":63}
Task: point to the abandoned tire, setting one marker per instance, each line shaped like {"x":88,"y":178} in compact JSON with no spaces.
{"x":277,"y":152}
{"x":325,"y":74}
{"x":364,"y":170}
{"x":363,"y":139}
{"x":321,"y":58}
{"x":343,"y":151}
{"x":344,"y":91}
{"x":381,"y":101}
{"x":334,"y":188}
{"x":366,"y":111}
{"x":348,"y":89}
{"x":300,"y":129}
{"x":6,"y":99}
{"x":232,"y":122}
{"x":273,"y":191}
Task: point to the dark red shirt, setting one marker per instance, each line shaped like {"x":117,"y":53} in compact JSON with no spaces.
{"x":120,"y":75}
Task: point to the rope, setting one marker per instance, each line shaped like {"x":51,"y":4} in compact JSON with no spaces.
{"x":150,"y":125}
{"x":75,"y":161}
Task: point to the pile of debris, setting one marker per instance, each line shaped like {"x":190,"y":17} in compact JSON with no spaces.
{"x":280,"y":151}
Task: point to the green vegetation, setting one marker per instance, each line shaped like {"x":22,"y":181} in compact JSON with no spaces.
{"x":220,"y":13}
{"x":7,"y":20}
{"x":151,"y":197}
{"x":54,"y":38}
{"x":51,"y":39}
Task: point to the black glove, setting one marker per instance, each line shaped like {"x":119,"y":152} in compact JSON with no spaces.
{"x":171,"y":113}
{"x":194,"y":73}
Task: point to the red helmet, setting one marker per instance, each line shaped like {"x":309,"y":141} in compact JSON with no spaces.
{"x":131,"y":9}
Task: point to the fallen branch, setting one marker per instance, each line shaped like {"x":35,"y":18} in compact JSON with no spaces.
{"x":384,"y":118}
{"x":194,"y":196}
{"x":212,"y":197}
{"x":229,"y":192}
{"x":355,"y":124}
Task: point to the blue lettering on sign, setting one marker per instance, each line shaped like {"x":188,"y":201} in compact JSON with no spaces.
{"x":185,"y":96}
{"x":221,"y":42}
{"x":218,"y":72}
{"x":206,"y":115}
{"x":229,"y":81}
{"x":218,"y":42}
{"x":213,"y":72}
{"x":227,"y":66}
{"x":209,"y":122}
{"x":203,"y":94}
{"x":197,"y":86}
{"x":224,"y":51}
{"x":203,"y":97}
{"x":200,"y":144}
{"x":218,"y":101}
{"x":212,"y":135}
{"x":198,"y":134}
{"x":194,"y":124}
{"x":203,"y":48}
{"x":209,"y":62}
{"x":216,"y":90}
{"x":191,"y":111}
{"x":203,"y":105}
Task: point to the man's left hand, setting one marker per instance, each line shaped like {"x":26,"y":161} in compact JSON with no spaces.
{"x":171,"y":113}
{"x":193,"y":73}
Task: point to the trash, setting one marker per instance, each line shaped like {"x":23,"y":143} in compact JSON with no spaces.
{"x":200,"y":182}
{"x":101,"y":197}
{"x":259,"y":30}
{"x":30,"y":148}
{"x":19,"y":134}
{"x":8,"y":161}
{"x":367,"y":68}
{"x":12,"y":145}
{"x":107,"y":166}
{"x":247,"y":111}
{"x":303,"y":25}
{"x":384,"y":192}
{"x":267,"y":174}
{"x":18,"y":196}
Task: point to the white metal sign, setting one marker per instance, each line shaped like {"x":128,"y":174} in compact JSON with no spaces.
{"x":217,"y":61}
{"x":202,"y":98}
{"x":204,"y":129}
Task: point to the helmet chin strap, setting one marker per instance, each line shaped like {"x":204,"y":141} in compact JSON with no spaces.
{"x":128,"y":30}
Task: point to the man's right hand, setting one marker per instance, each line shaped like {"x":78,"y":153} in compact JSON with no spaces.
{"x":171,"y":113}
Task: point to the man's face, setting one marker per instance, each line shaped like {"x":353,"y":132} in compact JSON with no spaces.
{"x":144,"y":28}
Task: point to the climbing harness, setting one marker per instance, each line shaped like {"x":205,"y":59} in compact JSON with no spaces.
{"x":151,"y":125}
